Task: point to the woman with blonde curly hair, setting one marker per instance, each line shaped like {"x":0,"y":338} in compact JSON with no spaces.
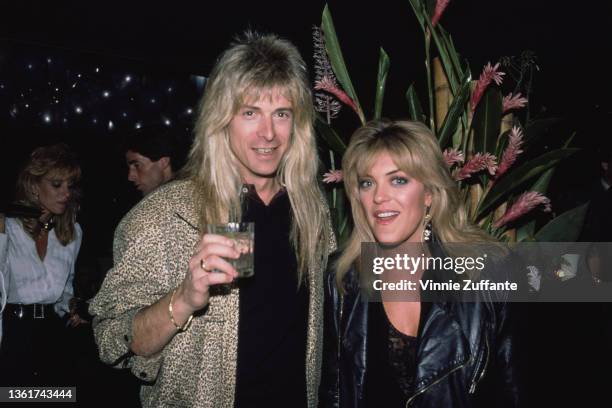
{"x":37,"y":261}
{"x":421,"y":352}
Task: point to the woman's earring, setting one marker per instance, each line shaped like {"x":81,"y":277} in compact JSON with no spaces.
{"x":427,"y":225}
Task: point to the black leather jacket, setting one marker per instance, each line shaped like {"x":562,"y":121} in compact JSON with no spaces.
{"x":465,"y":355}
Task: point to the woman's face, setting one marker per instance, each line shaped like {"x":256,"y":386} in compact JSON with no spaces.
{"x":393,"y":202}
{"x":54,"y":191}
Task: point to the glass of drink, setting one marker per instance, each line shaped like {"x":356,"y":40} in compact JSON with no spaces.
{"x":243,"y":235}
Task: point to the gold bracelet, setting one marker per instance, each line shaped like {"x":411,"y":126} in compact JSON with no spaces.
{"x":179,"y":328}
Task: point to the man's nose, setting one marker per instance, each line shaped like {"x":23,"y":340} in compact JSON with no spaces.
{"x":131,"y":175}
{"x":266,"y":129}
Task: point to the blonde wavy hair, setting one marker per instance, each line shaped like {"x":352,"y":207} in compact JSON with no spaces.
{"x":253,"y":65}
{"x":57,"y":160}
{"x":415,"y":151}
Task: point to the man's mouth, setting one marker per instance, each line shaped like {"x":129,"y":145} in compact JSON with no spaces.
{"x":264,"y":150}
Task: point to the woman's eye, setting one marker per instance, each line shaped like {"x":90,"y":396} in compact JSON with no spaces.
{"x":56,"y":184}
{"x":365,"y":184}
{"x":399,"y":180}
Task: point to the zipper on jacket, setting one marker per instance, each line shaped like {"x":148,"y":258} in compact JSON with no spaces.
{"x":435,"y":382}
{"x":475,"y":381}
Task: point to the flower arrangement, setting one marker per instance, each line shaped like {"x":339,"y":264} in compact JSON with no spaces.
{"x":484,"y":143}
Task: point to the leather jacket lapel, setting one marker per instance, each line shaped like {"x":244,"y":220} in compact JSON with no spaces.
{"x":443,"y":347}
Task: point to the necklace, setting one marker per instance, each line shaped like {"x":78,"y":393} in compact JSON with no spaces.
{"x":47,"y":226}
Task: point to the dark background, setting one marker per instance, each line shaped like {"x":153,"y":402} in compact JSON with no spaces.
{"x":163,"y":40}
{"x":570,"y":38}
{"x":163,"y":44}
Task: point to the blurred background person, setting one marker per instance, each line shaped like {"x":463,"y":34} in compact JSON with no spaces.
{"x":153,"y":156}
{"x":39,"y":245}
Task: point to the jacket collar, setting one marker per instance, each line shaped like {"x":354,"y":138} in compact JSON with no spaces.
{"x":443,"y":347}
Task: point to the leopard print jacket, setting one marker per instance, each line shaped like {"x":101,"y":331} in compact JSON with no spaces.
{"x":151,"y":249}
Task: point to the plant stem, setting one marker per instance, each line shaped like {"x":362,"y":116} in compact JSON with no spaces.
{"x":432,"y":123}
{"x":333,"y":167}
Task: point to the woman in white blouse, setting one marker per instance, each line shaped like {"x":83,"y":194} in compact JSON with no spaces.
{"x":37,"y":260}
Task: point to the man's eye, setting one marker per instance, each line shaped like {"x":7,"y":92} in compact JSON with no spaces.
{"x":248,"y":113}
{"x":284,"y":115}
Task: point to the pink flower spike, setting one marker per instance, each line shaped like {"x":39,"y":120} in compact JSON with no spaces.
{"x":327,"y":84}
{"x":476,"y":164}
{"x":523,"y":204}
{"x":511,"y":102}
{"x":489,"y":73}
{"x":438,"y":11}
{"x":324,"y":102}
{"x":452,"y":156}
{"x":515,"y":141}
{"x":333,"y":176}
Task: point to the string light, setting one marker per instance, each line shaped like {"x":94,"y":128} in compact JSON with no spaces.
{"x":59,"y":90}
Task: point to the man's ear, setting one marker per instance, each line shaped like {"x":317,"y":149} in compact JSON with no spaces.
{"x":164,"y":162}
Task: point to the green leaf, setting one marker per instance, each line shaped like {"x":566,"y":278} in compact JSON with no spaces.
{"x":424,"y":19}
{"x":341,"y":217}
{"x":329,"y":135}
{"x":527,"y":231}
{"x":456,"y":109}
{"x":430,"y":6}
{"x":564,"y":228}
{"x":569,"y":140}
{"x":344,"y":217}
{"x":414,"y":105}
{"x":452,"y":52}
{"x":337,"y":60}
{"x":541,"y":186}
{"x":444,"y":53}
{"x":419,"y":12}
{"x":381,"y":80}
{"x":487,"y":121}
{"x":511,"y":180}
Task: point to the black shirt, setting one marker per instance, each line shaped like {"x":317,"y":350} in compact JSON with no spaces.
{"x":391,"y":361}
{"x":273,"y":313}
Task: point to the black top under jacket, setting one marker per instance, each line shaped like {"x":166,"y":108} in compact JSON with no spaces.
{"x":273,"y":313}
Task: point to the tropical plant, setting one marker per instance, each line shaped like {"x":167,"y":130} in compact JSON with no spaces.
{"x":484,"y":143}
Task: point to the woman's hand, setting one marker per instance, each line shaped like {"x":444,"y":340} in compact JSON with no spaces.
{"x":207,"y":267}
{"x":75,"y":320}
{"x":45,"y":216}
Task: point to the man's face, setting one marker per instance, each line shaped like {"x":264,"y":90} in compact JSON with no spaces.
{"x":146,"y":175}
{"x":259,"y":135}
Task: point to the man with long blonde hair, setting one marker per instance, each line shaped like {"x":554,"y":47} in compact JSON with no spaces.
{"x":171,"y":309}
